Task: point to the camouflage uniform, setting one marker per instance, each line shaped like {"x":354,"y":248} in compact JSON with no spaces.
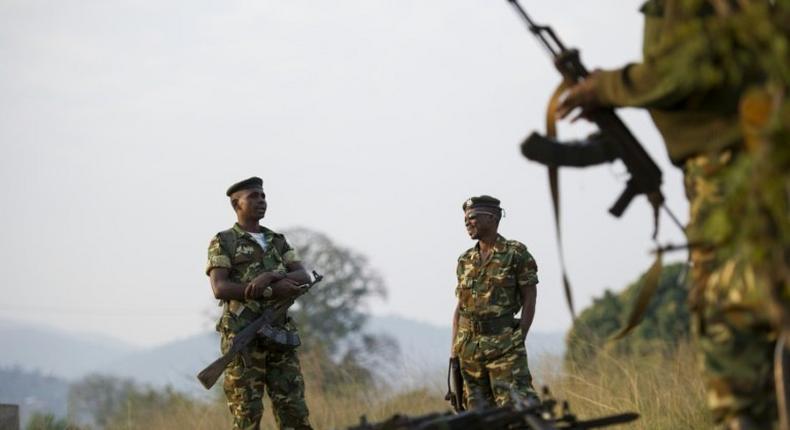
{"x":701,"y":126}
{"x":277,"y":370}
{"x":488,"y":343}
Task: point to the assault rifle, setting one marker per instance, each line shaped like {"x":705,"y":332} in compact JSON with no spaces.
{"x":522,"y":414}
{"x":455,"y":386}
{"x":262,"y":327}
{"x":614,"y":141}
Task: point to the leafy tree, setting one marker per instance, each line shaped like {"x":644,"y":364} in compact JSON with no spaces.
{"x":334,"y":309}
{"x":97,"y":398}
{"x":112,"y":403}
{"x":664,"y":325}
{"x":331,"y":317}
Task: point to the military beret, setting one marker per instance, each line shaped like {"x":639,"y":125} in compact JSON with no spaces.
{"x":254,"y":182}
{"x":483,"y":201}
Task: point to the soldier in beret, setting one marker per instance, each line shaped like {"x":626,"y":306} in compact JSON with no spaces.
{"x":497,"y":278}
{"x":250,"y":267}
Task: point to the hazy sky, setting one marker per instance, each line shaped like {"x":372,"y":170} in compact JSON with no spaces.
{"x":123,"y":122}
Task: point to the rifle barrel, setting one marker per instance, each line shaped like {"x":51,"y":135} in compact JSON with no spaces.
{"x":553,"y":50}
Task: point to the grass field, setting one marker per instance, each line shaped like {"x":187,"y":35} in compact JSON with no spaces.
{"x":665,"y":389}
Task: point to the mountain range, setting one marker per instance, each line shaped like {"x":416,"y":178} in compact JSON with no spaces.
{"x":42,"y":361}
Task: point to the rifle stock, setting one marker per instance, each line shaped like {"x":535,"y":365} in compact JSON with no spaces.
{"x":208,"y":376}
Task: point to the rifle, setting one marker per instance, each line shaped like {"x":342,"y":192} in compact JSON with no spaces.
{"x":455,"y":386}
{"x":521,"y":414}
{"x":614,"y":141}
{"x":261,"y":327}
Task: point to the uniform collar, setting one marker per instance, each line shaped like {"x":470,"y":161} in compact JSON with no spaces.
{"x":500,"y":245}
{"x":241,"y":232}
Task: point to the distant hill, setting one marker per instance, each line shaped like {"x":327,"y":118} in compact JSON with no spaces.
{"x":56,"y":352}
{"x":424,"y":351}
{"x":175,"y":363}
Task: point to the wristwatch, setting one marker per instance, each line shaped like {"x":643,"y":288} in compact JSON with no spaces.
{"x":267,"y":292}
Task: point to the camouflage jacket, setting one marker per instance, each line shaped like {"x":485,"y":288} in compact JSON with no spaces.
{"x":245,"y":262}
{"x":490,"y":289}
{"x":692,"y":118}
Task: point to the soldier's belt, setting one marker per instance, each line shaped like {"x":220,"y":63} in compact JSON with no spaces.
{"x":487,"y":326}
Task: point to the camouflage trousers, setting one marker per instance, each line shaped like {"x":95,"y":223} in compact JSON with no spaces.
{"x":277,"y":372}
{"x":730,"y":313}
{"x":493,"y":367}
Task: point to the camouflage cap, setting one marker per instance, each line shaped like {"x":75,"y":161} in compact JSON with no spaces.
{"x":253,"y":182}
{"x":482,"y":202}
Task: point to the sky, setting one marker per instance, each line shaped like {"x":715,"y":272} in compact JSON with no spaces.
{"x":123,"y":122}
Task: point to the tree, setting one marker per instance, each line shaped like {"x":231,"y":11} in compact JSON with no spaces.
{"x":665,"y":323}
{"x":331,"y":317}
{"x":96,"y":399}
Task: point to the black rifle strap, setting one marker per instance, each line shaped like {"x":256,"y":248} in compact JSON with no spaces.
{"x":551,"y":132}
{"x":227,"y":242}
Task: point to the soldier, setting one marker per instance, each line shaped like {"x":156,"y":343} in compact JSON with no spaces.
{"x":702,"y":125}
{"x":496,"y":278}
{"x":251,"y":266}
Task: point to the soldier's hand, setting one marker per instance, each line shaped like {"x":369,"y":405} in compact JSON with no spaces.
{"x":583,"y":96}
{"x":266,"y":278}
{"x":286,"y":288}
{"x":256,"y":287}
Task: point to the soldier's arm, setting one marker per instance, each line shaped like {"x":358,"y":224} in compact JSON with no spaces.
{"x":218,"y":270}
{"x":454,"y":331}
{"x":223,"y":287}
{"x":288,"y":285}
{"x":529,"y":295}
{"x":640,"y":85}
{"x":297,"y":272}
{"x":527,"y":278}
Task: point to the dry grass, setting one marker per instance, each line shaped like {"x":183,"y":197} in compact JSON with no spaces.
{"x":665,"y":390}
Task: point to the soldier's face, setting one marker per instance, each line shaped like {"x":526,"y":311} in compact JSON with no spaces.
{"x":251,"y":203}
{"x":478,"y":223}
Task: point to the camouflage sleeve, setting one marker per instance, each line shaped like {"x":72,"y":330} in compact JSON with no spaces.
{"x":639,"y":85}
{"x":649,"y":84}
{"x":459,"y":271}
{"x":217,"y":256}
{"x":527,"y":270}
{"x":289,"y":253}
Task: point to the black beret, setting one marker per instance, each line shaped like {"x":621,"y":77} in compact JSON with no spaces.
{"x":254,"y":182}
{"x":483,"y":201}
